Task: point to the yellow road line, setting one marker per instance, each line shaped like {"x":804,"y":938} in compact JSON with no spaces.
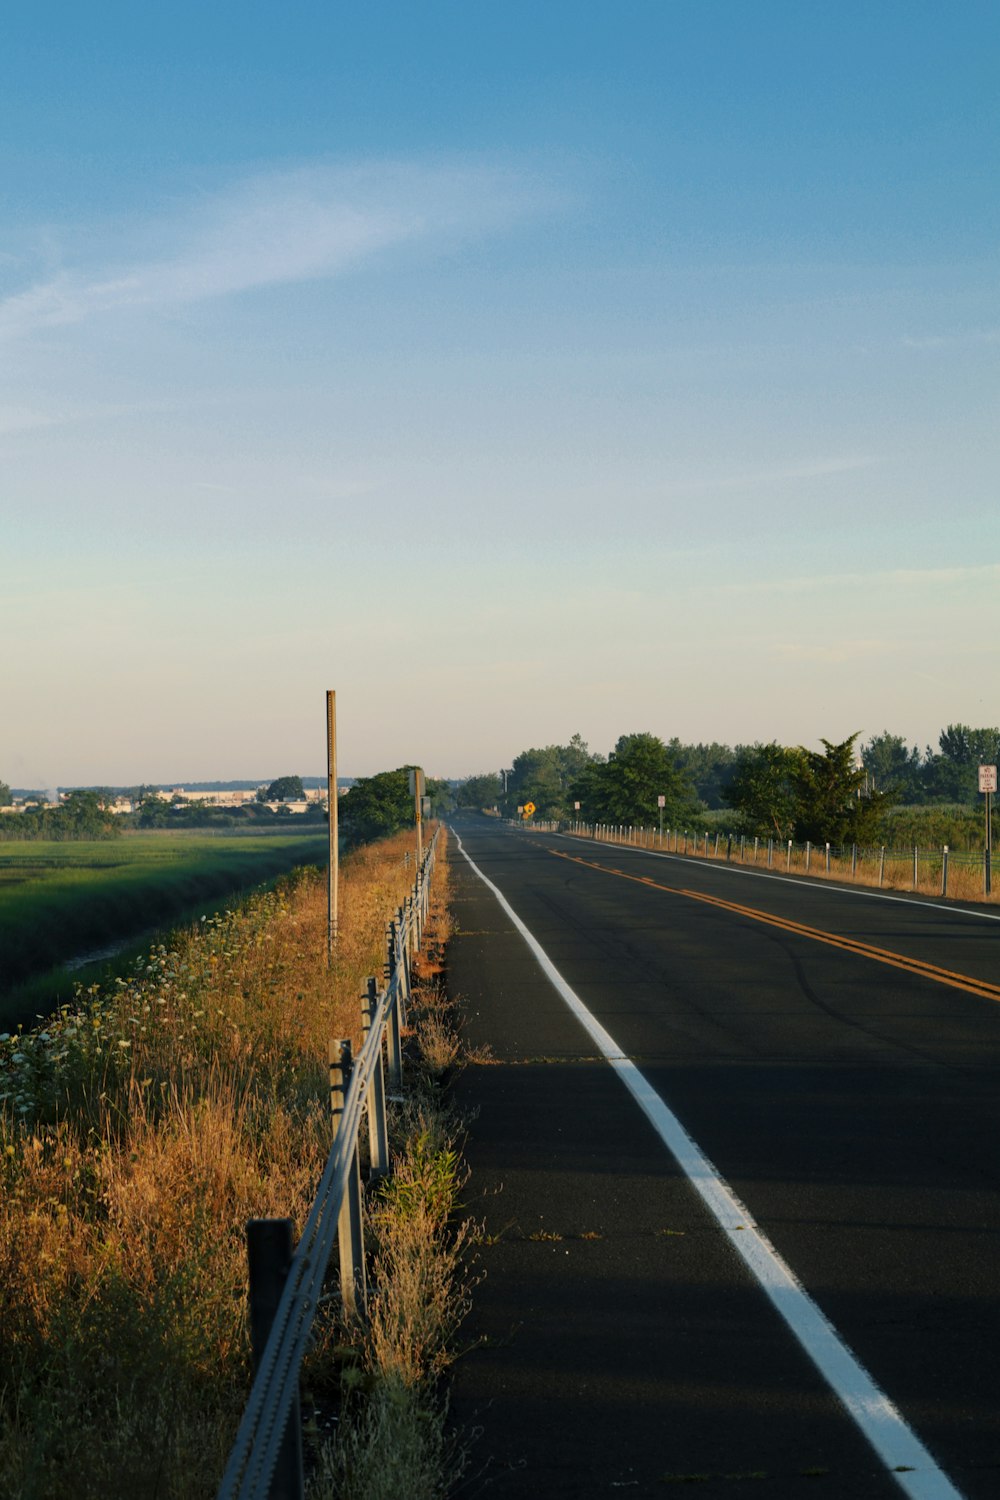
{"x":956,"y":981}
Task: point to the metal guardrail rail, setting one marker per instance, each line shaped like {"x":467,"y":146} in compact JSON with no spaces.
{"x":266,"y":1457}
{"x":930,"y":865}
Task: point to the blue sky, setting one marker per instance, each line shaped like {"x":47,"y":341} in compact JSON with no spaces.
{"x":514,"y":370}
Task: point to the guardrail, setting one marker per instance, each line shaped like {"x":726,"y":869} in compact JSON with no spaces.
{"x":915,"y":867}
{"x":285,"y":1286}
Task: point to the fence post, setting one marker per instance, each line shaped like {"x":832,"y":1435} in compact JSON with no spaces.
{"x":269,"y":1255}
{"x":789,"y":864}
{"x":756,"y":843}
{"x":706,"y":843}
{"x":717,"y":843}
{"x":916,"y":873}
{"x":944,"y":870}
{"x":743,"y":845}
{"x":393,"y":1041}
{"x":770,"y":853}
{"x":854,"y":860}
{"x":808,"y":854}
{"x":729,"y":846}
{"x":881,"y":865}
{"x":378,"y":1133}
{"x":353,"y":1287}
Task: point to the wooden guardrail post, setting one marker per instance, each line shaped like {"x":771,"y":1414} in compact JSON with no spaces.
{"x":269,"y":1255}
{"x":378,"y":1134}
{"x":353,"y":1281}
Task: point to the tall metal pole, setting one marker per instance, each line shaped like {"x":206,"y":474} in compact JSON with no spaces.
{"x":333,"y":871}
{"x":418,"y":789}
{"x":989,"y":847}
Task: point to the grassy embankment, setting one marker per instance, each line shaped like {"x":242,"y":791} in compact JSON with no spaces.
{"x":59,"y":901}
{"x":929,"y":828}
{"x":140,"y":1129}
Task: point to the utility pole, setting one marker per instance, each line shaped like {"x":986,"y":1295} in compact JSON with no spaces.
{"x":333,"y":869}
{"x":417,"y":788}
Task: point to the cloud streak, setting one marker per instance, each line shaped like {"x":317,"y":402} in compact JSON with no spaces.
{"x":886,"y":578}
{"x":309,"y":223}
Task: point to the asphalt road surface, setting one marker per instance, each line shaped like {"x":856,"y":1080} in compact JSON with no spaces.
{"x":819,"y":1312}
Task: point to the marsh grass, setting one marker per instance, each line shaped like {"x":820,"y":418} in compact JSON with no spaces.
{"x":61,"y":900}
{"x":140,"y":1128}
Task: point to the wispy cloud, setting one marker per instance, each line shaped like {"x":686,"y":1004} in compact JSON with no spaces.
{"x":820,"y":468}
{"x":954,"y":340}
{"x":908,"y":578}
{"x":833,"y":653}
{"x":304,"y":224}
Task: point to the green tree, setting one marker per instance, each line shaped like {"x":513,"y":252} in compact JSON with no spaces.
{"x":952,"y":775}
{"x":484,"y":790}
{"x":150,"y":809}
{"x":708,"y":767}
{"x":546,"y":777}
{"x":893,"y":766}
{"x":376,"y":806}
{"x":761,"y":790}
{"x":832,"y":804}
{"x":625,"y":787}
{"x":6,"y":798}
{"x":285,"y":789}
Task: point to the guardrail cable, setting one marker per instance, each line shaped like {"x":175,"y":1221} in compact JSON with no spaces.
{"x":254,"y":1455}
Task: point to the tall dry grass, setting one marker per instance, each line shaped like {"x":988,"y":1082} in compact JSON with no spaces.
{"x":895,"y":872}
{"x":140,"y":1128}
{"x":393,"y":1436}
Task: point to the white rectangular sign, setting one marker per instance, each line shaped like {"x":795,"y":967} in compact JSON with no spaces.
{"x":987,"y":778}
{"x":661,"y":801}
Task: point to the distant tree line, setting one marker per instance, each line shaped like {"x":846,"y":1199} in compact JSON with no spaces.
{"x":841,"y":794}
{"x":80,"y":815}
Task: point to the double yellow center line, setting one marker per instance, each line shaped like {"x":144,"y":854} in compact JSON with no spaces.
{"x":849,"y":945}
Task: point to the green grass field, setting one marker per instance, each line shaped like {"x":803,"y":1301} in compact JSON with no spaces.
{"x":62,"y":901}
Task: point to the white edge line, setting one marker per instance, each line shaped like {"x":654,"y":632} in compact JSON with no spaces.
{"x":894,"y":1441}
{"x":799,"y":880}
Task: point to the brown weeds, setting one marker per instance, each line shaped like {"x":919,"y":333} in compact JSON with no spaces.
{"x":140,"y":1129}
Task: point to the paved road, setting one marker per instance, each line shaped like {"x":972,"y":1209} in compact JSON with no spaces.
{"x":836,"y":1057}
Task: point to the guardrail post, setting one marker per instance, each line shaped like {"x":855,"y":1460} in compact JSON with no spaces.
{"x":944,"y":870}
{"x":881,"y":865}
{"x":808,"y":853}
{"x":269,"y":1255}
{"x":378,"y":1133}
{"x":401,"y":965}
{"x":393,"y":1041}
{"x":353,"y":1281}
{"x":788,"y":866}
{"x":828,"y":859}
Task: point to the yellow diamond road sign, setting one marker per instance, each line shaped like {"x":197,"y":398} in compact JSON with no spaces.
{"x":529,"y":808}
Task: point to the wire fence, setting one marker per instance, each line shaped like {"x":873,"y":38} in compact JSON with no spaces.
{"x":929,"y":871}
{"x":286,"y":1287}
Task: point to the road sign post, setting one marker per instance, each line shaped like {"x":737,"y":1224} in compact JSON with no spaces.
{"x":333,"y":864}
{"x":988,"y":785}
